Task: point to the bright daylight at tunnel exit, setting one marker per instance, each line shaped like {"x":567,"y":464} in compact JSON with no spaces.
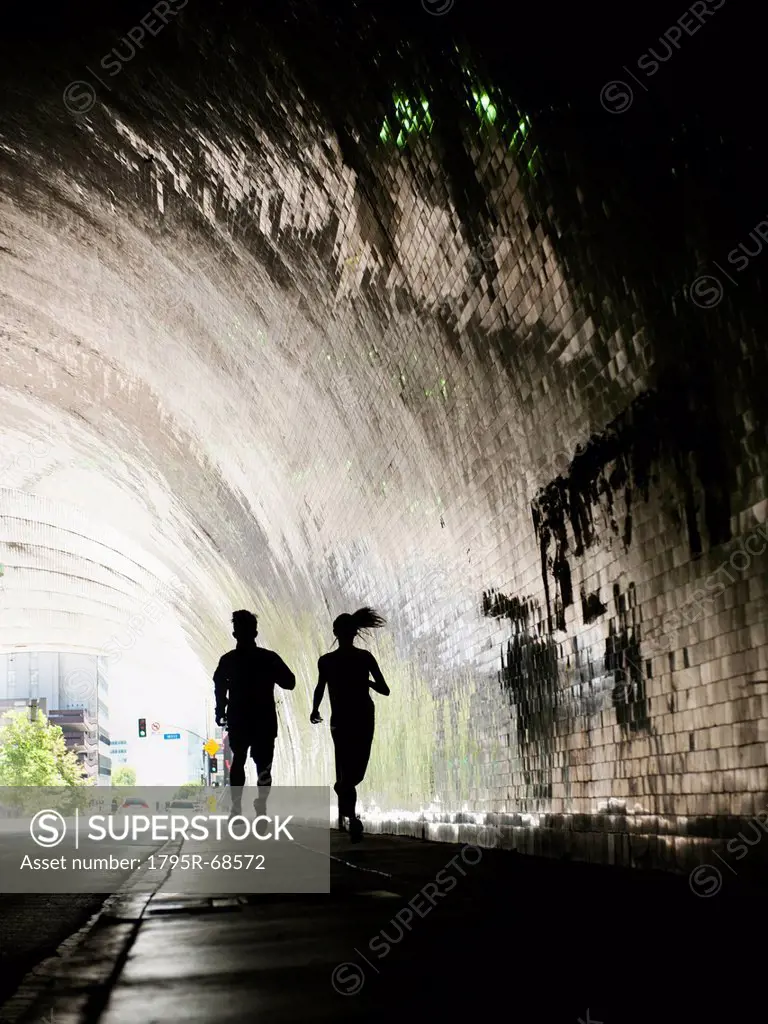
{"x":383,"y":511}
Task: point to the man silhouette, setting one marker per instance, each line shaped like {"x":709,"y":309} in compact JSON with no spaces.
{"x":244,"y":683}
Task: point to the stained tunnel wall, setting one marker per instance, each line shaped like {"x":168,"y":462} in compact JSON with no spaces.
{"x":370,"y":321}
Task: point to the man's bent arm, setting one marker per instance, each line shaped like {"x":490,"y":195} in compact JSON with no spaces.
{"x":283,"y":675}
{"x":220,"y":686}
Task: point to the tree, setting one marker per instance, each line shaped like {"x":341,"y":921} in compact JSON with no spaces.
{"x":33,"y":753}
{"x":188,"y":790}
{"x":124,"y":776}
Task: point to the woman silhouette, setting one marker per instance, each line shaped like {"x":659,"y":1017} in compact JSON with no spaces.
{"x":347,"y":673}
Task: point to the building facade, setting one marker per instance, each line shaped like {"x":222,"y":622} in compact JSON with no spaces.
{"x":118,"y":752}
{"x":81,"y":736}
{"x":75,"y":689}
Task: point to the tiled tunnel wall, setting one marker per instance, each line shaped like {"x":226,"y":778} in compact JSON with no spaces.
{"x":403,"y":345}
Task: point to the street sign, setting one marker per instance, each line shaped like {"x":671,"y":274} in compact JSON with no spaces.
{"x":172,"y":736}
{"x":211,"y":748}
{"x":155,"y":727}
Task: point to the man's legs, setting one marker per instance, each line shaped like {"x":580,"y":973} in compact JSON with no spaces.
{"x":237,"y":771}
{"x":237,"y":774}
{"x":263,"y":753}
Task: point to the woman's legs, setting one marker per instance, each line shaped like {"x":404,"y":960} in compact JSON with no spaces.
{"x":343,"y":744}
{"x":353,"y":750}
{"x":359,"y":756}
{"x":338,"y":756}
{"x":361,"y":752}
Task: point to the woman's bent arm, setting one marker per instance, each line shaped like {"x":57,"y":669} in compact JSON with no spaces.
{"x":317,"y":699}
{"x":378,"y":684}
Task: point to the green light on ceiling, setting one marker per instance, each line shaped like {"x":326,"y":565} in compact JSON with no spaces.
{"x":487,"y":111}
{"x":412,"y":117}
{"x":534,"y":165}
{"x":484,"y":107}
{"x":520,"y":135}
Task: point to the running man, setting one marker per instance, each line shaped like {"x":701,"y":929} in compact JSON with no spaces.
{"x":244,"y":684}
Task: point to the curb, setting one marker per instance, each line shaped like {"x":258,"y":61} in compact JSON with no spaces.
{"x":74,"y":984}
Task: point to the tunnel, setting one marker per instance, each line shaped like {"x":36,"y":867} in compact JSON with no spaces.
{"x":308,"y":307}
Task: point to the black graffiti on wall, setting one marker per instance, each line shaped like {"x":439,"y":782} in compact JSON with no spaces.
{"x":592,"y":608}
{"x":540,"y":695}
{"x":623,"y":660}
{"x":529,"y":679}
{"x":664,"y":435}
{"x":597,"y":676}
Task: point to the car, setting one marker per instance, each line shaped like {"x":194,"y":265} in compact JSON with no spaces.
{"x":183,"y":808}
{"x":133,"y":805}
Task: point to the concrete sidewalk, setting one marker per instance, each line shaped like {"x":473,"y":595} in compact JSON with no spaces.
{"x":414,"y":929}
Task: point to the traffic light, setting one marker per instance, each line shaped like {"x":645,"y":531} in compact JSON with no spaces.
{"x":213,"y":765}
{"x":142,"y":728}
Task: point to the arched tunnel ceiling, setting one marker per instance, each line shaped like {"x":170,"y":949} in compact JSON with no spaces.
{"x":286,"y":321}
{"x":213,"y":386}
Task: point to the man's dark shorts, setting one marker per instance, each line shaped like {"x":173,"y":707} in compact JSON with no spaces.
{"x":261,"y":743}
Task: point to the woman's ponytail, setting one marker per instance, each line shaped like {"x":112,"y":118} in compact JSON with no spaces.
{"x":365,"y":619}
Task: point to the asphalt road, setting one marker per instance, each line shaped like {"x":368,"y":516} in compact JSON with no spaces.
{"x":33,"y":926}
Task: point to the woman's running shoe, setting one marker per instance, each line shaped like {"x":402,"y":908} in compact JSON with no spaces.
{"x":355,"y":830}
